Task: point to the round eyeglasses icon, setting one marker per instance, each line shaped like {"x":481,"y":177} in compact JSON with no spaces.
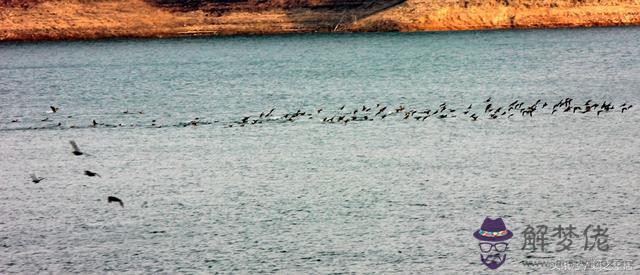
{"x":487,"y":247}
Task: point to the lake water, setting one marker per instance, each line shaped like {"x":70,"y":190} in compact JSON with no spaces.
{"x":306,"y":196}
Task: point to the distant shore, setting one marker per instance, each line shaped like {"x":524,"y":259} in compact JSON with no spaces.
{"x":81,"y":20}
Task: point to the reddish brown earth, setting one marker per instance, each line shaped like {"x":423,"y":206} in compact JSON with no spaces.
{"x":93,"y":19}
{"x":418,"y":15}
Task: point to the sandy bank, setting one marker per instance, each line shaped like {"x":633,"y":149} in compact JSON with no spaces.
{"x":82,"y":19}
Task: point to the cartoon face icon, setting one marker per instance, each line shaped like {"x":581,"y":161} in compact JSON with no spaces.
{"x":493,"y":239}
{"x":493,"y":255}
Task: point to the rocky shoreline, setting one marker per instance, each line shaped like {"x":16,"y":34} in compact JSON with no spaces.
{"x":79,"y":20}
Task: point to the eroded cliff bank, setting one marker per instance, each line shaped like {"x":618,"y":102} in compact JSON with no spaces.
{"x":92,"y":19}
{"x":418,"y":15}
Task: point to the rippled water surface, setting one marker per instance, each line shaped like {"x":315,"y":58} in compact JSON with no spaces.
{"x":307,"y":196}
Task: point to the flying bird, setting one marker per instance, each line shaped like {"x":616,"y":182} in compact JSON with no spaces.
{"x":54,"y":109}
{"x":111,"y":199}
{"x":91,"y":174}
{"x":76,"y":150}
{"x":35,"y":179}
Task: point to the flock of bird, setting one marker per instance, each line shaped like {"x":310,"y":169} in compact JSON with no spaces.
{"x":76,"y":152}
{"x":488,"y":109}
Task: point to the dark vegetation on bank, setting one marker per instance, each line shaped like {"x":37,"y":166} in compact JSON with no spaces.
{"x":253,"y":5}
{"x":19,"y":3}
{"x":222,"y":5}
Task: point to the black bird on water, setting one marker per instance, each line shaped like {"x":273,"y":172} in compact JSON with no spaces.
{"x":76,"y":150}
{"x":269,"y":113}
{"x":111,"y":199}
{"x":381,"y":110}
{"x":488,"y":108}
{"x":54,"y":109}
{"x":91,"y":174}
{"x":35,"y":179}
